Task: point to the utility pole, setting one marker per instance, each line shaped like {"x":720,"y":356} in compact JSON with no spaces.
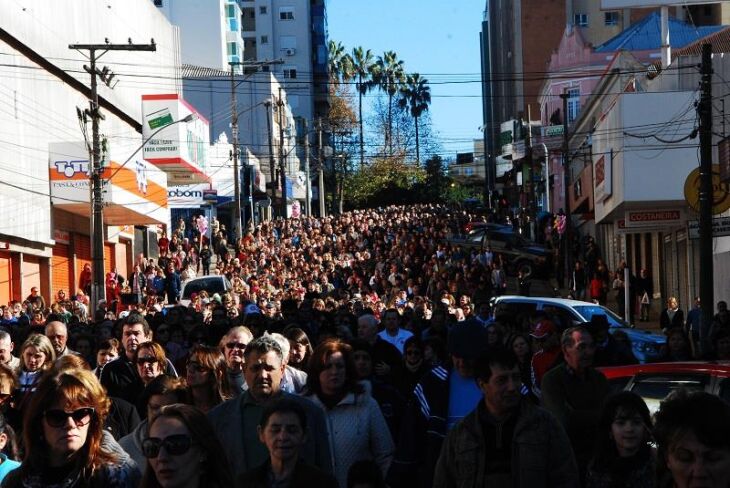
{"x":282,"y":157}
{"x":308,"y":197}
{"x":96,"y":51}
{"x":566,"y":191}
{"x":532,"y":195}
{"x":707,"y":292}
{"x":236,"y":172}
{"x":320,"y":172}
{"x":272,"y":169}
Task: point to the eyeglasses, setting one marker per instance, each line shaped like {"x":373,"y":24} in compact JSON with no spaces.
{"x":236,"y":345}
{"x":196,"y":368}
{"x":59,"y":418}
{"x":143,"y":361}
{"x":176,"y":445}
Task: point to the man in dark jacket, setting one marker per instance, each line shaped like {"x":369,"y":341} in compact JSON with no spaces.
{"x":506,"y":440}
{"x":172,"y":284}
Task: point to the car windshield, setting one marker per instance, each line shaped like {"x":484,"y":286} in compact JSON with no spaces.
{"x":211,"y":285}
{"x":588,"y":311}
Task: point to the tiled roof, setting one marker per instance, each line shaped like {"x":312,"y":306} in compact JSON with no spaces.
{"x":645,"y":35}
{"x":720,"y":41}
{"x":192,"y":71}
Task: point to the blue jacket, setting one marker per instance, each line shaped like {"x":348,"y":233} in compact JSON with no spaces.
{"x":172,"y":283}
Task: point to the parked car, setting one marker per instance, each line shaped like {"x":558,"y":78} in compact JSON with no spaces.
{"x":210,"y":283}
{"x":653,"y":382}
{"x":646,"y":345}
{"x":519,"y":254}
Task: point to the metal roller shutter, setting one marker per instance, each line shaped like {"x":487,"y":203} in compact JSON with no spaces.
{"x":82,"y":251}
{"x":6,"y":289}
{"x":61,"y":278}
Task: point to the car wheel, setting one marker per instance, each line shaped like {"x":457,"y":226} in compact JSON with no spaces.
{"x":526,"y":267}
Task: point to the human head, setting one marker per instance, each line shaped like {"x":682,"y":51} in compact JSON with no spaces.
{"x":391,"y":320}
{"x":467,"y":341}
{"x":300,"y":347}
{"x":624,"y":427}
{"x":263,"y":368}
{"x":135,"y":330}
{"x":161,"y":391}
{"x":150,"y":361}
{"x":283,"y":429}
{"x":362,"y":358}
{"x":37,"y":353}
{"x":46,"y":431}
{"x":672,"y":303}
{"x":578,"y":348}
{"x":498,"y":376}
{"x":721,"y":306}
{"x":677,"y":342}
{"x":8,"y":384}
{"x":722,"y":345}
{"x":331,"y":369}
{"x":284,"y":344}
{"x":367,"y":327}
{"x":57,"y":332}
{"x":106,"y":351}
{"x":234,"y":344}
{"x":196,"y":454}
{"x":692,"y":432}
{"x":6,"y":347}
{"x":413,"y":352}
{"x":205,"y":369}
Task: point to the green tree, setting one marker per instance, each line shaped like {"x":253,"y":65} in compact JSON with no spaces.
{"x":388,"y":75}
{"x":339,"y":62}
{"x":362,"y":71}
{"x":385,"y":181}
{"x":415,"y":96}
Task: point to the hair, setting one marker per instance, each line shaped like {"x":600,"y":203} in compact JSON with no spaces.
{"x":319,"y":359}
{"x":283,"y":343}
{"x":5,"y":336}
{"x":624,"y":403}
{"x":70,"y":361}
{"x":368,"y":317}
{"x":215,"y":466}
{"x":283,"y":405}
{"x":8,"y":374}
{"x":233,"y":331}
{"x":682,"y":412}
{"x":163,"y":385}
{"x":157,"y":351}
{"x":298,"y":336}
{"x":498,"y":356}
{"x":365,"y":472}
{"x":213,"y":360}
{"x":566,"y":340}
{"x":263,"y":345}
{"x":108,"y":344}
{"x":11,"y":449}
{"x":514,"y":337}
{"x":43,"y":344}
{"x":77,"y":387}
{"x":134,"y":319}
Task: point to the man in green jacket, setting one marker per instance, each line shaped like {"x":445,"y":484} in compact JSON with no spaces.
{"x":506,"y":441}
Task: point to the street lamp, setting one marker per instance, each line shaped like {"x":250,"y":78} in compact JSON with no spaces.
{"x":97,"y":238}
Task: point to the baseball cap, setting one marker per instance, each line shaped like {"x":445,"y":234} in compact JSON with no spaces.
{"x":543,"y":329}
{"x":251,"y":308}
{"x":468,"y":339}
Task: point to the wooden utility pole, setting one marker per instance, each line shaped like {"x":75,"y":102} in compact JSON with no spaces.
{"x":96,"y":51}
{"x":320,"y":169}
{"x":707,"y":292}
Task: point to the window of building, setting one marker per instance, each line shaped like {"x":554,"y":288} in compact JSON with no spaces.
{"x":232,"y":49}
{"x":264,"y":39}
{"x":263,"y":10}
{"x":581,"y":20}
{"x":610,"y":18}
{"x":230,"y":10}
{"x":265,"y":68}
{"x":290,"y":72}
{"x":286,"y":13}
{"x":158,"y":3}
{"x":573,"y":103}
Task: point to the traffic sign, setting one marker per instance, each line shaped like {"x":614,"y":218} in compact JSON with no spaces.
{"x":720,"y":191}
{"x":720,"y":227}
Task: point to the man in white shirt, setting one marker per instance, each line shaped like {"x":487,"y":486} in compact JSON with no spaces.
{"x":6,"y":351}
{"x":392,"y":332}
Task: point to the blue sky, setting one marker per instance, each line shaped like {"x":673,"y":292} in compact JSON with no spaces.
{"x":439,"y":39}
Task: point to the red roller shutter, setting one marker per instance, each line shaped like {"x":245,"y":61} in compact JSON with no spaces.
{"x":82,"y":250}
{"x":6,"y":291}
{"x":61,"y":278}
{"x":109,"y":258}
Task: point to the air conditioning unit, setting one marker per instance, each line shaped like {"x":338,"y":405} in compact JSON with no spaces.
{"x":290,"y":51}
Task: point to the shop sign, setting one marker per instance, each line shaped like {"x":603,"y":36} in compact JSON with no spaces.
{"x":661,"y":218}
{"x":61,"y":236}
{"x":720,"y":227}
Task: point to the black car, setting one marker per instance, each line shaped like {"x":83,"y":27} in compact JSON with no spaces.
{"x":518,"y":253}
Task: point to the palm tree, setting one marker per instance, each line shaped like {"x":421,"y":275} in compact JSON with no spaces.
{"x":415,"y":95}
{"x":339,"y":62}
{"x":362,"y":70}
{"x":388,"y":74}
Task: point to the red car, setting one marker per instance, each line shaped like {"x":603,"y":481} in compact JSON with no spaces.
{"x":654,"y":381}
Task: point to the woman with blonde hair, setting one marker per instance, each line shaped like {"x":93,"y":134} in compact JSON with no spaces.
{"x":63,"y":432}
{"x":36,"y":356}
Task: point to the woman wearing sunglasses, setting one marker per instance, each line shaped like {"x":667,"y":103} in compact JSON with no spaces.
{"x":183,"y":451}
{"x":205,"y":375}
{"x":63,"y":431}
{"x":151,"y":361}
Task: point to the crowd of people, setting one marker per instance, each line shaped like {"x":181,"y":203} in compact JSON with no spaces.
{"x":354,"y":350}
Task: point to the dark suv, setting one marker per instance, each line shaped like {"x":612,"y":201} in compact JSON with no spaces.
{"x":519,"y":254}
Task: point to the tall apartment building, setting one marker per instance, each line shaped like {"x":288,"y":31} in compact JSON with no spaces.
{"x":210,"y":31}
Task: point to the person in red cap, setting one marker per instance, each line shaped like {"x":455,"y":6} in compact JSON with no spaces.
{"x":548,"y":350}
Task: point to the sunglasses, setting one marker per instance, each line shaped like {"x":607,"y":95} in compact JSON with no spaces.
{"x":196,"y":367}
{"x":238,"y":345}
{"x":143,"y":361}
{"x":175,"y":445}
{"x":59,"y":418}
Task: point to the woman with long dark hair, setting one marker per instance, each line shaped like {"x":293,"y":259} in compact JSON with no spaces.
{"x":183,"y":451}
{"x":623,"y":456}
{"x":205,"y":375}
{"x":63,"y":432}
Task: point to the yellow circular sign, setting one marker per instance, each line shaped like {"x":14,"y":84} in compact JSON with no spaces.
{"x":720,"y":191}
